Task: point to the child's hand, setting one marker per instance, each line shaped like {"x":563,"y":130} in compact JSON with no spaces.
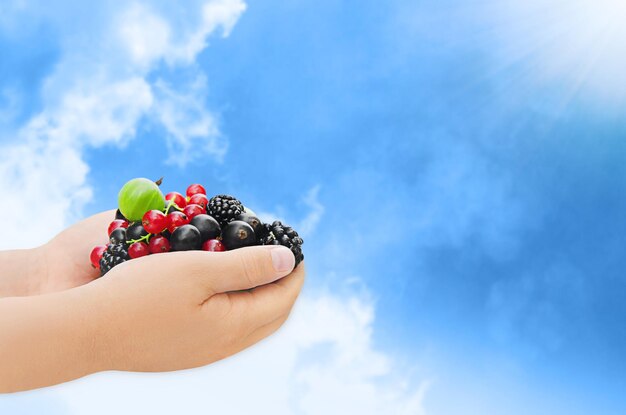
{"x":186,"y":309}
{"x":60,"y":264}
{"x":67,"y":254}
{"x":156,"y":313}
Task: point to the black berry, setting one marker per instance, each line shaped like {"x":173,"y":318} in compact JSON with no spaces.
{"x":185,"y":238}
{"x":279,"y":234}
{"x":224,"y":208}
{"x":253,"y":221}
{"x":207,"y":225}
{"x":118,"y":236}
{"x":135,"y":231}
{"x":115,"y":254}
{"x":238,"y":234}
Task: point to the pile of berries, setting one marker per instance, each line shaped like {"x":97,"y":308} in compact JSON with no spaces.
{"x":194,"y":222}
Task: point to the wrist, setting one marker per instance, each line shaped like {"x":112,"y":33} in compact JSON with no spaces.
{"x":45,"y":340}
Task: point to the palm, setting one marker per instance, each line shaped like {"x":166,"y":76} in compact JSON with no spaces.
{"x":67,"y":255}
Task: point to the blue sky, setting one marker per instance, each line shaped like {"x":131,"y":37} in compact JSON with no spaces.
{"x":458,"y":170}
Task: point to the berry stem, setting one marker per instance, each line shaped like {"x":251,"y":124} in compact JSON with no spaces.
{"x":143,"y":238}
{"x":158,"y":182}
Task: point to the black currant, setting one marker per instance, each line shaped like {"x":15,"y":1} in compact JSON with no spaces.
{"x":207,"y":225}
{"x":186,"y":238}
{"x":238,"y":234}
{"x":135,"y":231}
{"x":118,"y":236}
{"x":253,"y":221}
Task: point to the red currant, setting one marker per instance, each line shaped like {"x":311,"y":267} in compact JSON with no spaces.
{"x":159,"y":244}
{"x":213,"y":245}
{"x":192,"y":210}
{"x":195,"y":189}
{"x":96,"y":255}
{"x":175,"y":220}
{"x":154,"y":221}
{"x":138,"y":249}
{"x":199,"y":199}
{"x":177,"y":198}
{"x":117,"y":223}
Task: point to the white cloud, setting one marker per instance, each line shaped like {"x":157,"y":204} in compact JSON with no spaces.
{"x":321,"y":362}
{"x":193,"y":132}
{"x":145,"y":35}
{"x":97,"y":113}
{"x":99,"y":92}
{"x":310,"y":222}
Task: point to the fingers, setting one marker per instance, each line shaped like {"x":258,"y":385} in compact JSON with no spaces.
{"x":264,"y":304}
{"x":246,"y":268}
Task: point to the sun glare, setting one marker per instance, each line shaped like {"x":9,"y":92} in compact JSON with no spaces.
{"x":579,"y":42}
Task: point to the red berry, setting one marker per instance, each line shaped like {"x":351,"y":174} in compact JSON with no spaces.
{"x":154,"y":221}
{"x":178,"y":199}
{"x":195,"y":189}
{"x":175,"y":220}
{"x":199,"y":199}
{"x":213,"y":245}
{"x":138,"y":249}
{"x":117,"y":223}
{"x":192,"y":210}
{"x":159,"y":244}
{"x":96,"y":255}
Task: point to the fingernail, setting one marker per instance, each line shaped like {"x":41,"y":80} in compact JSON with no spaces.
{"x":282,"y":259}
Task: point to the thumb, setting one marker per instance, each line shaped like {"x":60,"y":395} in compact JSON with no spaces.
{"x":246,"y":268}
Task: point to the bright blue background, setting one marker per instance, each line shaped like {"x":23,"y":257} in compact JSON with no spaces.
{"x":484,"y":211}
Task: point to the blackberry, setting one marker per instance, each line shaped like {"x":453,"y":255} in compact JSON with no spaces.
{"x":114,"y":255}
{"x":279,"y":234}
{"x":224,"y":208}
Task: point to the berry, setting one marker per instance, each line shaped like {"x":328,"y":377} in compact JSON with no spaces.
{"x":96,"y":255}
{"x":199,"y":199}
{"x":115,"y":254}
{"x":117,"y":223}
{"x":207,"y":225}
{"x":159,"y":244}
{"x":138,"y":249}
{"x":224,"y":208}
{"x":279,"y":234}
{"x":177,"y":198}
{"x":195,"y":189}
{"x":213,"y":245}
{"x":135,"y":231}
{"x":139,"y":196}
{"x":186,"y":238}
{"x":238,"y":234}
{"x":253,"y":221}
{"x":192,"y":210}
{"x":175,"y":220}
{"x":118,"y":236}
{"x":154,"y":221}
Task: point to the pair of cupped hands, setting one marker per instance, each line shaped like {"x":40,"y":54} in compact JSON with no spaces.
{"x":157,"y":313}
